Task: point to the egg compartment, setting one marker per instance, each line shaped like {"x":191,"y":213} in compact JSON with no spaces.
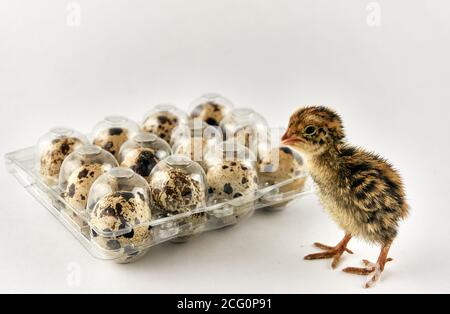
{"x":51,"y":150}
{"x":162,"y":120}
{"x":248,"y":128}
{"x":210,"y":108}
{"x":195,"y":139}
{"x":111,"y":133}
{"x":232,"y":176}
{"x":143,"y":152}
{"x":178,"y":186}
{"x":78,"y":173}
{"x":119,"y":213}
{"x":280,"y":164}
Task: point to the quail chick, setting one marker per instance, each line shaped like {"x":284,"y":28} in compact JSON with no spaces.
{"x":361,"y":191}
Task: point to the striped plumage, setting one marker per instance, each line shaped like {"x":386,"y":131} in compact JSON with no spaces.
{"x":361,"y":191}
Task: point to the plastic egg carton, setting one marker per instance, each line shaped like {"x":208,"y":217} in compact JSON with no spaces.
{"x":215,"y":213}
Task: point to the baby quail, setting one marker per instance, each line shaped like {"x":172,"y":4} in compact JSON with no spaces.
{"x":361,"y":191}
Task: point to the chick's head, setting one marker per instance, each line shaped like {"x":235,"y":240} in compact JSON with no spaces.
{"x":314,"y":130}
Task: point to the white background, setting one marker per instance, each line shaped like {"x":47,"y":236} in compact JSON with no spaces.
{"x":390,"y":84}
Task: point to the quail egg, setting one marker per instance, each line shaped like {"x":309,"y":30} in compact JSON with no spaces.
{"x":231,"y":179}
{"x":120,"y":215}
{"x":163,"y":120}
{"x":79,"y":184}
{"x":211,"y":108}
{"x":111,"y":133}
{"x":53,"y":156}
{"x":113,"y":213}
{"x":143,"y":152}
{"x":232,"y":175}
{"x":176,"y":192}
{"x":178,"y":185}
{"x":141,"y":160}
{"x":289,"y":165}
{"x":111,"y":139}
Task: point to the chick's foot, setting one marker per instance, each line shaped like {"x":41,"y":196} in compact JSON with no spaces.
{"x":331,"y":252}
{"x":372,"y":270}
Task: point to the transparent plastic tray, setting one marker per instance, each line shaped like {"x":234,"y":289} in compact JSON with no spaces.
{"x":176,"y":228}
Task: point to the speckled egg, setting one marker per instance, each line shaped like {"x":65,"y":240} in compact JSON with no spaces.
{"x":161,"y":124}
{"x":210,"y":112}
{"x":175,"y":192}
{"x":179,"y":194}
{"x":79,"y":183}
{"x":111,"y":139}
{"x":231,"y":179}
{"x":53,"y":156}
{"x":289,"y":165}
{"x":141,"y":160}
{"x":113,"y":212}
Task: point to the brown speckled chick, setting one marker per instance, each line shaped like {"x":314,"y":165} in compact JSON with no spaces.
{"x":361,"y":191}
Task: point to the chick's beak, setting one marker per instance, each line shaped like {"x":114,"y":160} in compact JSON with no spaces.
{"x":289,"y":139}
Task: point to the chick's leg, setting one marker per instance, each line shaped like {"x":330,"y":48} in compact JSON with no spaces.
{"x":373,"y":270}
{"x":332,"y":252}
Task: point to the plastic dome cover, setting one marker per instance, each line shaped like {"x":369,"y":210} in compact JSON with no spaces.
{"x":118,"y":179}
{"x":195,"y":139}
{"x":53,"y":148}
{"x":281,"y":164}
{"x":196,"y":128}
{"x":113,"y":131}
{"x":143,"y":152}
{"x":232,"y":174}
{"x":162,"y":119}
{"x":119,"y":210}
{"x":210,"y":108}
{"x":177,"y":185}
{"x":230,"y":151}
{"x":247,"y":127}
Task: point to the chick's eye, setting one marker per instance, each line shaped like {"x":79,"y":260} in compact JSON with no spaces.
{"x":310,"y":130}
